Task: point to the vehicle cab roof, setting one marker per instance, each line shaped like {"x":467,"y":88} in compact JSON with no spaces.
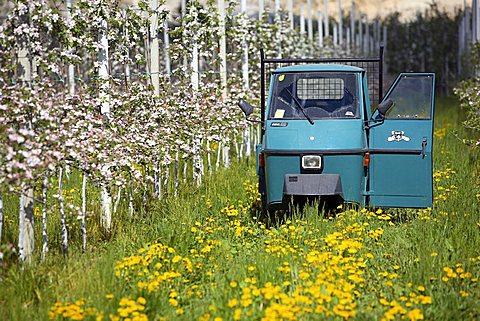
{"x":318,"y":67}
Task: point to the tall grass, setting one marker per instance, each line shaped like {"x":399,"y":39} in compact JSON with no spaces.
{"x":398,"y":263}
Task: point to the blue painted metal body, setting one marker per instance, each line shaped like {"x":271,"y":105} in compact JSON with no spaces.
{"x":399,"y":174}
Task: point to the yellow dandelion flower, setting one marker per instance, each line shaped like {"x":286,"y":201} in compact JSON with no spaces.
{"x":233,"y":303}
{"x":415,"y":314}
{"x":173,"y":302}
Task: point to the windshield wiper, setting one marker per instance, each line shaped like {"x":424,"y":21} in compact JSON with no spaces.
{"x":300,"y":107}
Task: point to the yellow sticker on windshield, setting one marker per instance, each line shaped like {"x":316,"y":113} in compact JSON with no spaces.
{"x":279,"y":113}
{"x":281,"y":78}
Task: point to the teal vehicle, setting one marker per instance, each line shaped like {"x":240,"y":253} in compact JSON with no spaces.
{"x":323,"y":139}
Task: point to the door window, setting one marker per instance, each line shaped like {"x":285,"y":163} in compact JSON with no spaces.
{"x":412,"y":97}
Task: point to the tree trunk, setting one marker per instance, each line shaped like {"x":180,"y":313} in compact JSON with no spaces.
{"x":1,"y":218}
{"x":63,"y":221}
{"x":84,"y":213}
{"x":26,"y":239}
{"x":106,"y":217}
{"x":44,"y":216}
{"x":130,"y":200}
{"x":175,"y":174}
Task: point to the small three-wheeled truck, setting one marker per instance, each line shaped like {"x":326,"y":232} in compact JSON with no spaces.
{"x":323,"y":138}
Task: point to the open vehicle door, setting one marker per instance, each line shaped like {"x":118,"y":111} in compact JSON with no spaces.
{"x":401,"y":147}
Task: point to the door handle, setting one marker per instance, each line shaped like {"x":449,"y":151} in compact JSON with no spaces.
{"x":424,"y":146}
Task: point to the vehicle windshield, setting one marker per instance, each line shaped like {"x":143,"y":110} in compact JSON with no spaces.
{"x":318,"y":95}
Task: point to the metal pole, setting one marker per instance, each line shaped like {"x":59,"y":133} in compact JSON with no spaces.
{"x":262,"y":90}
{"x":380,"y":77}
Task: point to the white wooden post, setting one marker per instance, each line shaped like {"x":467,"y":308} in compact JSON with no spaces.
{"x":360,"y":33}
{"x":302,"y":20}
{"x":166,"y":47}
{"x":290,"y":14}
{"x":467,"y":27}
{"x":474,"y":18}
{"x":347,"y":38}
{"x":352,"y":25}
{"x":154,"y":48}
{"x":245,"y":75}
{"x":320,"y":29}
{"x":127,"y":65}
{"x":477,"y":22}
{"x":246,"y":85}
{"x":183,"y":9}
{"x":103,"y":73}
{"x":335,"y":34}
{"x":279,"y":29}
{"x":385,"y":37}
{"x":326,"y":19}
{"x":223,"y":48}
{"x":194,"y":63}
{"x":71,"y":67}
{"x":261,"y":9}
{"x":340,"y":23}
{"x":367,"y":35}
{"x":310,"y":20}
{"x":277,"y":8}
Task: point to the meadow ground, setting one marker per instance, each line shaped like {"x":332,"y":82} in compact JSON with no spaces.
{"x":205,"y":256}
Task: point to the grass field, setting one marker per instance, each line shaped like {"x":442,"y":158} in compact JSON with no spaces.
{"x":205,"y":256}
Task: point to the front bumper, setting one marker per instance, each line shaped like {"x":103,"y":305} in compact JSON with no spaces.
{"x":312,"y":185}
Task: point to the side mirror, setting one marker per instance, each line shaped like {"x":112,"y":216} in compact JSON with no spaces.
{"x":384,"y":107}
{"x":245,"y":107}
